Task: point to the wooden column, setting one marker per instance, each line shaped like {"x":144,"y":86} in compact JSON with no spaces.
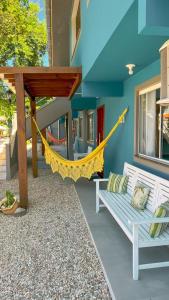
{"x":69,"y":136}
{"x":43,"y":131}
{"x":21,"y":129}
{"x":34,"y":138}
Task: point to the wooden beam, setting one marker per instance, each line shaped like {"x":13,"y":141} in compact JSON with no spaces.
{"x":75,"y":85}
{"x":22,"y":151}
{"x":47,"y":80}
{"x":51,"y":94}
{"x":34,"y":138}
{"x":49,"y":84}
{"x":30,"y":70}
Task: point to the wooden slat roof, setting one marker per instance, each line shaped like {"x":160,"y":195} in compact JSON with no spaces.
{"x":44,"y":81}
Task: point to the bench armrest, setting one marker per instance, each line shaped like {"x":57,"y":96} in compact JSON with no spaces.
{"x":149,"y":220}
{"x":79,"y":155}
{"x":98,"y":183}
{"x":100,"y":179}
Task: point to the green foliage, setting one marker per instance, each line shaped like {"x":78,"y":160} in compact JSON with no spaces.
{"x":7,"y":106}
{"x":22,"y":35}
{"x":6,"y":111}
{"x":10,"y":199}
{"x":43,"y":101}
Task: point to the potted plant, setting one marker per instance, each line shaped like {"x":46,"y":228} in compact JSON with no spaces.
{"x":9,"y":204}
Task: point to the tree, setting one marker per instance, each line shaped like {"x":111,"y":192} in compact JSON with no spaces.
{"x":22,"y":35}
{"x":7,"y":105}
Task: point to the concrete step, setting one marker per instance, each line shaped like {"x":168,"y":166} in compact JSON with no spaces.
{"x":48,"y":114}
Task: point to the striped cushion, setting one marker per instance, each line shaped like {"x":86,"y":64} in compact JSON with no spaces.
{"x":140,"y":196}
{"x":162,"y":211}
{"x":117,"y":183}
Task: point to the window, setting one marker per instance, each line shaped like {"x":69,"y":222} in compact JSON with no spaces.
{"x":76,"y":24}
{"x":152,"y":125}
{"x":87,"y":2}
{"x":74,"y":128}
{"x":90,"y":127}
{"x":80,"y":127}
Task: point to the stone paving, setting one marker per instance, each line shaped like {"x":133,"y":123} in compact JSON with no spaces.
{"x":48,"y":254}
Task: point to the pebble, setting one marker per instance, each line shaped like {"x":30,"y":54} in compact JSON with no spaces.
{"x":48,"y":254}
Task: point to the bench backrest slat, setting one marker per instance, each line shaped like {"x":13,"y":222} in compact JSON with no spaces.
{"x":159,"y":187}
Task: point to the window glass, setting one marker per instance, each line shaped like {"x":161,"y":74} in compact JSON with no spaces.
{"x":153,"y":126}
{"x":74,"y":128}
{"x":80,"y":127}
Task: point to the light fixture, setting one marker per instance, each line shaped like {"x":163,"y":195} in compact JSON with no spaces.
{"x":130,"y":68}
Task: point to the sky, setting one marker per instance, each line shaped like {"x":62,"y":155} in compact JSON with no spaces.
{"x":42,"y":17}
{"x":42,"y":8}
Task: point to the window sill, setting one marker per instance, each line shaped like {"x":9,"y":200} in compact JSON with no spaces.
{"x":154,"y":164}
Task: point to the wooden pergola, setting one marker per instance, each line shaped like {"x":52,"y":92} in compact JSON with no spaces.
{"x":35,"y":82}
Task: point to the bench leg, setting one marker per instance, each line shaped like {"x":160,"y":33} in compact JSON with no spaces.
{"x":97,"y":197}
{"x":135,"y":253}
{"x":97,"y":204}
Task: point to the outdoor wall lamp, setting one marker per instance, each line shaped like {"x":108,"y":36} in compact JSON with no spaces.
{"x":130,"y":68}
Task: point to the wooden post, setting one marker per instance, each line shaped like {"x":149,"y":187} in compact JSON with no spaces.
{"x":67,"y":143}
{"x":43,"y":131}
{"x":22,"y":151}
{"x":34,"y":138}
{"x":69,"y":135}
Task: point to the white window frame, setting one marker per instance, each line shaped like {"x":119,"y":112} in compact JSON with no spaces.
{"x":91,"y":141}
{"x":154,"y":162}
{"x":80,"y":118}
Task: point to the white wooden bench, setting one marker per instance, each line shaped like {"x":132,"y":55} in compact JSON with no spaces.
{"x":134,"y":223}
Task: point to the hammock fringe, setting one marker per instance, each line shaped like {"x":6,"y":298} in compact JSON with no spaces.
{"x":84,"y":167}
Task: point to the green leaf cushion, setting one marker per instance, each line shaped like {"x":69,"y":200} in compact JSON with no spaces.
{"x":117,"y":183}
{"x":140,"y":196}
{"x":157,"y":228}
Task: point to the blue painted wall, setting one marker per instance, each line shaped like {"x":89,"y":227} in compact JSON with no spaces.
{"x":98,"y":22}
{"x":78,"y":103}
{"x":121,"y":146}
{"x":112,"y":35}
{"x":153,"y":17}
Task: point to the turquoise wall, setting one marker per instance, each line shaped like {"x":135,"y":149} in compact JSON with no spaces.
{"x":83,"y":103}
{"x":113,"y":35}
{"x":153,"y":17}
{"x":121,"y":146}
{"x":97,"y":28}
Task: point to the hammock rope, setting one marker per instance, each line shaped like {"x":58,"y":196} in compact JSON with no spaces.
{"x":84,"y":167}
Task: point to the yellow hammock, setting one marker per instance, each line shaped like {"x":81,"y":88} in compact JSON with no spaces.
{"x":84,"y":167}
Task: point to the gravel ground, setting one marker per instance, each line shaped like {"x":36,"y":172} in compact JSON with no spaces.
{"x":48,"y":254}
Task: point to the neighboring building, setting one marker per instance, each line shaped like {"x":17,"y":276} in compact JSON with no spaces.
{"x":104,"y":37}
